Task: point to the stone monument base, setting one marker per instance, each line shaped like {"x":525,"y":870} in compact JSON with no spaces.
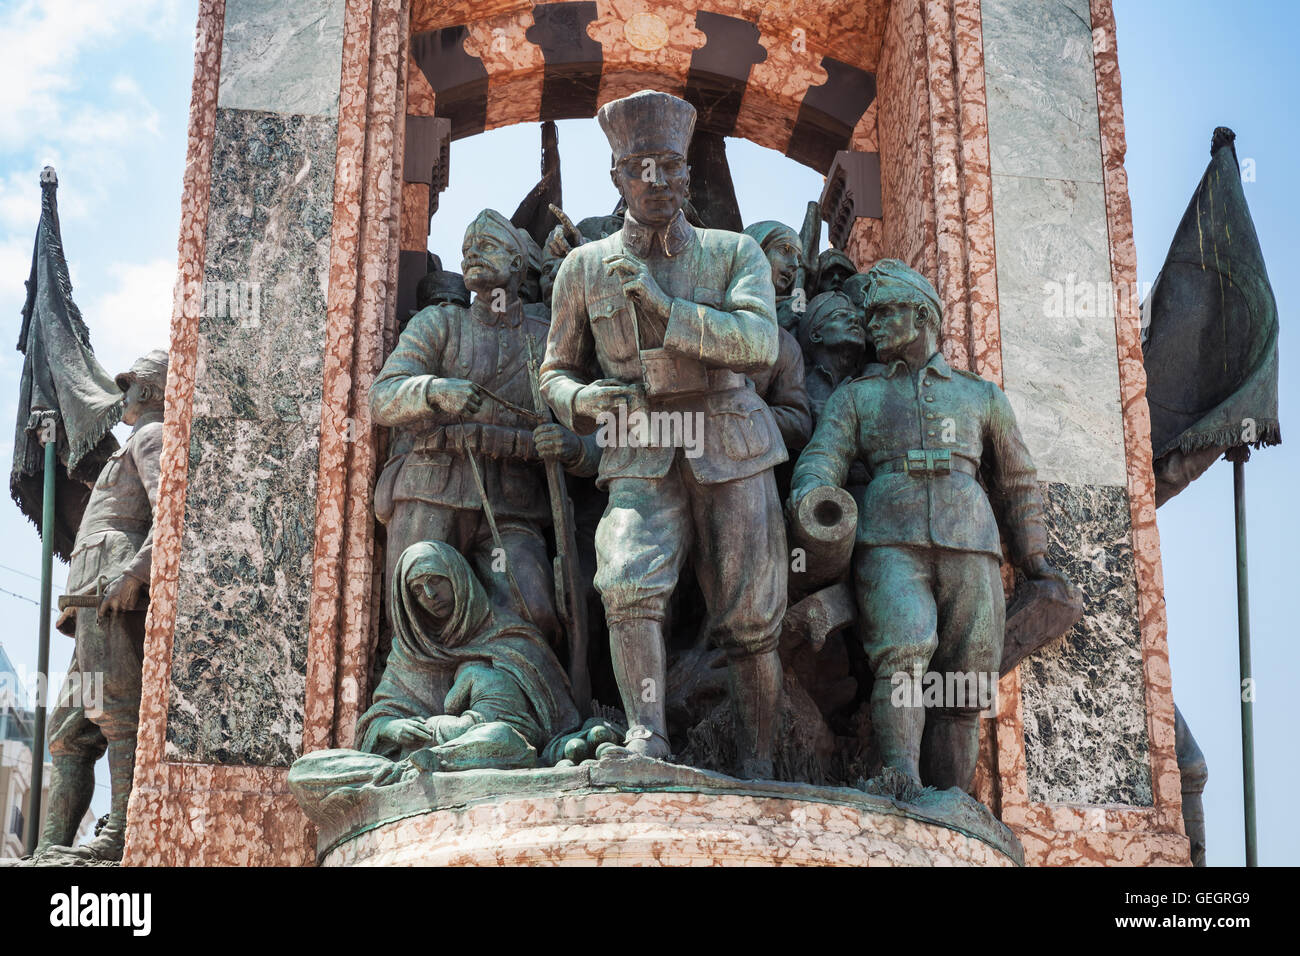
{"x":636,"y":811}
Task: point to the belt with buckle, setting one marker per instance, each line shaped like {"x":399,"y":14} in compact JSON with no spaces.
{"x":927,"y":463}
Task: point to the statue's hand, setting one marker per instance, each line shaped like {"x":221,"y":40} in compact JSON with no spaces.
{"x":556,"y":443}
{"x":639,"y":285}
{"x":1037,"y":567}
{"x":558,"y":244}
{"x":406,"y":732}
{"x":456,"y":396}
{"x":605,"y":396}
{"x":122,"y":595}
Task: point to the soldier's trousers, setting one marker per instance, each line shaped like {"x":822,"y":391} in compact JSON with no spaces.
{"x":943,"y":611}
{"x":468,"y":532}
{"x":109,"y":654}
{"x":735,"y":535}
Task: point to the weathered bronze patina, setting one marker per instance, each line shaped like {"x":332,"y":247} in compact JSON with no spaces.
{"x":926,"y":566}
{"x":674,"y":318}
{"x":111,"y":560}
{"x":457,"y":385}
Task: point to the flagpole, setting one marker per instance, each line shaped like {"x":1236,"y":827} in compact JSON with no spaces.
{"x":1238,"y":457}
{"x":49,"y":435}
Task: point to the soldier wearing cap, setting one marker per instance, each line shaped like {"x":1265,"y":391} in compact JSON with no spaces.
{"x":442,"y":387}
{"x":927,"y":560}
{"x":671,"y":318}
{"x":833,"y":342}
{"x":114,"y":545}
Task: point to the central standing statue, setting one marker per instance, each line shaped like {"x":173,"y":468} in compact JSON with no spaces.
{"x":674,"y":317}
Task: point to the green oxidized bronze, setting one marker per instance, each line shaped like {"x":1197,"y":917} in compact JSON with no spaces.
{"x":926,"y":564}
{"x":671,"y":318}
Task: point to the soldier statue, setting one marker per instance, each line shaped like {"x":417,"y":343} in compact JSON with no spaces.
{"x":457,"y":384}
{"x":674,"y":317}
{"x":926,"y":565}
{"x":111,"y":559}
{"x":834,"y":345}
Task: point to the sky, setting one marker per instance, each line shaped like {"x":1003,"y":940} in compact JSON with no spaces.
{"x":100,"y":90}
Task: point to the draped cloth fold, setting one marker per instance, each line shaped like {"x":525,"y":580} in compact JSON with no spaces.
{"x":1211,"y":348}
{"x":60,"y":374}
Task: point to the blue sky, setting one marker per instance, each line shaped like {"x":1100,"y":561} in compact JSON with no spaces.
{"x":101,"y":91}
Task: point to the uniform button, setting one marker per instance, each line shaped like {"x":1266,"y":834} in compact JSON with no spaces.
{"x":929,"y":398}
{"x":931,"y":434}
{"x":927,"y":383}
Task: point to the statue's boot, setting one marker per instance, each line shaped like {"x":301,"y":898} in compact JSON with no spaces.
{"x":950,"y":748}
{"x":755,"y":696}
{"x":640,"y":669}
{"x":72,"y":784}
{"x":898,"y":731}
{"x":110,"y":842}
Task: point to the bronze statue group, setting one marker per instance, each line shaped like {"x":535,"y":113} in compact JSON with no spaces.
{"x":510,"y":523}
{"x":806,"y":375}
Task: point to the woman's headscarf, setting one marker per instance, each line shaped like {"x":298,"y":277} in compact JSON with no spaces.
{"x":474,"y":631}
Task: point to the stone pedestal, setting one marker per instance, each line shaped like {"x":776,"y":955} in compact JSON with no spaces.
{"x":638,"y":812}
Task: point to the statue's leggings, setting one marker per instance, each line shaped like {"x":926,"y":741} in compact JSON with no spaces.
{"x":100,"y":697}
{"x":932,"y":611}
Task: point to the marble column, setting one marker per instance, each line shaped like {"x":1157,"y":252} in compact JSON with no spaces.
{"x":1084,"y":699}
{"x":240,"y":642}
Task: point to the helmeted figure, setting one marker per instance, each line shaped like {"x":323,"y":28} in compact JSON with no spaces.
{"x":926,"y":565}
{"x":670,"y":318}
{"x":442,"y":386}
{"x":113,"y":553}
{"x":833,"y":342}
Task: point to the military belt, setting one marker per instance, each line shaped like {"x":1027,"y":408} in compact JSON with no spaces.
{"x":494,"y":441}
{"x":927,"y":463}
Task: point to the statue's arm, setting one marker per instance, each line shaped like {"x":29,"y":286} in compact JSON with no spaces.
{"x":741,"y":334}
{"x":146,"y":453}
{"x":787,"y":396}
{"x":834,"y":445}
{"x":570,"y":348}
{"x":1013,"y":480}
{"x":401,"y":395}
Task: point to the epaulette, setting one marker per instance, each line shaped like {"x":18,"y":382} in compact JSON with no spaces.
{"x":969,"y":374}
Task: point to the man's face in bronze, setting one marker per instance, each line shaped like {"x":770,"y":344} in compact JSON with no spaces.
{"x":783,"y":256}
{"x":489,"y":262}
{"x":842,"y":329}
{"x":139,"y":397}
{"x":654,"y":186}
{"x":893,"y":326}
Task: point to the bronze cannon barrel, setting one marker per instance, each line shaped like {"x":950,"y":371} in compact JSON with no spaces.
{"x":824,"y":526}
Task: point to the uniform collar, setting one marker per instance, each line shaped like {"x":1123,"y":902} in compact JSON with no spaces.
{"x":937,"y":364}
{"x":672,"y":238}
{"x":509,"y":319}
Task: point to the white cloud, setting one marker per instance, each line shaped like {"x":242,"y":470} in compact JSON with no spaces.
{"x":40,"y":41}
{"x":135,"y":316}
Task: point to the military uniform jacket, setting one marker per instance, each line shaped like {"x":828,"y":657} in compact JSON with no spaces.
{"x":723,"y":315}
{"x":452,"y":342}
{"x":116,"y":532}
{"x":882,"y":416}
